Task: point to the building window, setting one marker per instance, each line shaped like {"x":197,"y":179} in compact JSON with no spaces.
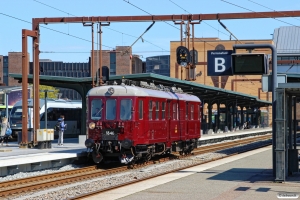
{"x":158,"y":65}
{"x":113,"y":60}
{"x":5,"y":70}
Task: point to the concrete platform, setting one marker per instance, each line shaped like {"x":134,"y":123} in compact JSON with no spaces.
{"x":244,"y":176}
{"x":14,"y":160}
{"x":219,"y":137}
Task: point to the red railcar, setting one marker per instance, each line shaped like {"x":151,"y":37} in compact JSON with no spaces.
{"x":131,"y":122}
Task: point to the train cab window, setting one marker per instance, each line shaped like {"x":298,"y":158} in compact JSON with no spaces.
{"x":157,"y":110}
{"x":96,"y":109}
{"x":192,"y":112}
{"x":111,"y":109}
{"x":140,"y":109}
{"x":163,"y":110}
{"x":126,"y":105}
{"x":150,"y":110}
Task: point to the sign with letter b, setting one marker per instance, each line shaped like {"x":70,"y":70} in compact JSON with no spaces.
{"x":219,"y":63}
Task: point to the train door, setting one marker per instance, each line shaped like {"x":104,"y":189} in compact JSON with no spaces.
{"x":174,"y":122}
{"x":140,"y":122}
{"x":192,"y":121}
{"x":168,"y":119}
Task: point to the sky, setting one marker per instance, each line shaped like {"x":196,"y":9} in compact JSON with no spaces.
{"x":72,"y":42}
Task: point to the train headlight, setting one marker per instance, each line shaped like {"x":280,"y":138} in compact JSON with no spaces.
{"x":92,"y":125}
{"x":111,"y":90}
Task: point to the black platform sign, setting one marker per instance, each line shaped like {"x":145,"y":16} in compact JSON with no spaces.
{"x":219,"y":63}
{"x":249,"y":64}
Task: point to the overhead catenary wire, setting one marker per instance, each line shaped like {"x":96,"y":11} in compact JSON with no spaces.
{"x":272,"y":9}
{"x":261,"y":14}
{"x":136,"y":37}
{"x":228,"y":31}
{"x":104,"y":26}
{"x":52,"y":29}
{"x":148,"y":13}
{"x":126,"y":51}
{"x":202,"y":21}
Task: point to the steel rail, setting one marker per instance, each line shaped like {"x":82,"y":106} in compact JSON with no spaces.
{"x":16,"y":187}
{"x":94,"y":193}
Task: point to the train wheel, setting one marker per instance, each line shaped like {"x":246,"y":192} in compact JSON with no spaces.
{"x":97,"y":157}
{"x":148,"y":157}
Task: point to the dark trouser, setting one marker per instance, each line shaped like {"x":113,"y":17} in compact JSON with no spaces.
{"x":60,"y":137}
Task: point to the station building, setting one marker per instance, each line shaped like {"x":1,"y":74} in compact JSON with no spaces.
{"x":158,"y":65}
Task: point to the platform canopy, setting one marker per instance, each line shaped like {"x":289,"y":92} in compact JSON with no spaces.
{"x":204,"y":92}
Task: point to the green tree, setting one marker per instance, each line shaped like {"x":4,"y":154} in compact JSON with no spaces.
{"x":51,"y":95}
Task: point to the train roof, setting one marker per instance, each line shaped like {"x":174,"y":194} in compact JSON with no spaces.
{"x":125,"y":90}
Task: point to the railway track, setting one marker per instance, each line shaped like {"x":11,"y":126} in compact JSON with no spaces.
{"x":20,"y":186}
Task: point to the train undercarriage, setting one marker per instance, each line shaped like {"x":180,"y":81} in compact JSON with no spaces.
{"x":127,"y":153}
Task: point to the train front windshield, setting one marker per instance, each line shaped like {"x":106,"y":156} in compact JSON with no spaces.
{"x":16,"y":115}
{"x":96,"y":108}
{"x":111,"y":109}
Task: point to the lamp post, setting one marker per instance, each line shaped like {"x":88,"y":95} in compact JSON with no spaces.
{"x":6,"y":92}
{"x":46,"y":92}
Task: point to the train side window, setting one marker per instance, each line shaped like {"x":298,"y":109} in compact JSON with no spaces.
{"x":199,"y":114}
{"x":157,"y":110}
{"x":140,"y":109}
{"x":126,"y":105}
{"x":175,"y":111}
{"x":187,"y":111}
{"x":192,"y":112}
{"x":150,"y":110}
{"x":163,"y":110}
{"x":169,"y":110}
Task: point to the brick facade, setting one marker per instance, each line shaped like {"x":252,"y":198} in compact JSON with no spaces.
{"x":202,"y":45}
{"x":15,"y":66}
{"x":125,"y":62}
{"x":137,"y":65}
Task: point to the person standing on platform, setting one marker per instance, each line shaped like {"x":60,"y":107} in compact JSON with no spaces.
{"x":4,"y":127}
{"x":62,"y":126}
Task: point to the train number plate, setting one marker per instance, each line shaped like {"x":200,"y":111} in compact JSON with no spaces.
{"x":109,"y":134}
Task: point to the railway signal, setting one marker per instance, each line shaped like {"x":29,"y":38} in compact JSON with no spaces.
{"x":183,"y":56}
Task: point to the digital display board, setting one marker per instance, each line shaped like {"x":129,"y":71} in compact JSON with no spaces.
{"x":249,"y":64}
